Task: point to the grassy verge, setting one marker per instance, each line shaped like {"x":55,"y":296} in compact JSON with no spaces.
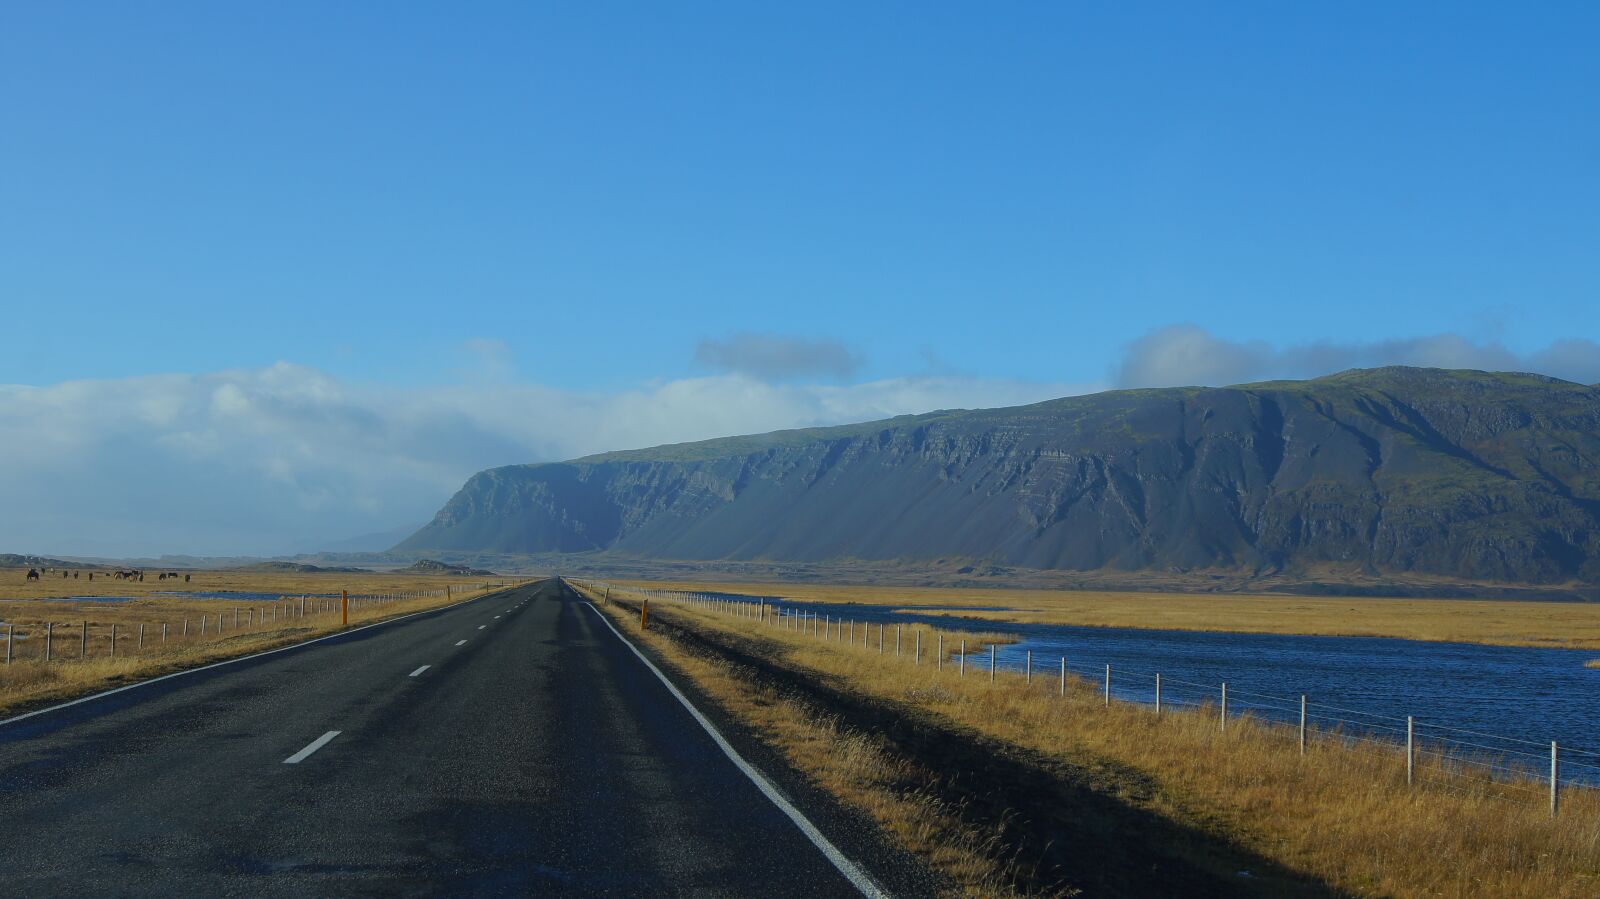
{"x":29,"y":681}
{"x":1502,"y":623}
{"x":1192,"y":799}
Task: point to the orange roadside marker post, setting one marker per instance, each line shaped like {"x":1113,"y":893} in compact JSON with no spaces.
{"x":344,"y":606}
{"x":644,"y":614}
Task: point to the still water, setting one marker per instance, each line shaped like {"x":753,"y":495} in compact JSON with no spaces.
{"x":1503,"y":698}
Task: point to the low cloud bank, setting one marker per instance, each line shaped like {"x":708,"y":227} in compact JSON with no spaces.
{"x":1187,"y":354}
{"x":268,"y":460}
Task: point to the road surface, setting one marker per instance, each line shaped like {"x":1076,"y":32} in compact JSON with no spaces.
{"x":512,"y":745}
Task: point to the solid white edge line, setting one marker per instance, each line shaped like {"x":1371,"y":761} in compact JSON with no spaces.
{"x":419,"y":671}
{"x":316,"y":744}
{"x":153,"y":680}
{"x":853,"y":873}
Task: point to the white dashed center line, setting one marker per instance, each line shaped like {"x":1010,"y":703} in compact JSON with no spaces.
{"x":460,"y":642}
{"x":316,"y":744}
{"x":482,"y":626}
{"x":419,"y":671}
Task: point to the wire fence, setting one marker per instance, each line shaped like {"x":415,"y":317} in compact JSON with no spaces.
{"x":47,"y":639}
{"x":1441,"y":756}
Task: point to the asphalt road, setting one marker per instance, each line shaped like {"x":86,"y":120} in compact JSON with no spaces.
{"x":538,"y":757}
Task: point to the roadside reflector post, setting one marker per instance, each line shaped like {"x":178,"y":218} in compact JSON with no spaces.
{"x":939,"y":666}
{"x":48,"y":626}
{"x":10,"y":632}
{"x":141,"y":635}
{"x":163,"y":632}
{"x":1028,"y":677}
{"x":880,"y":639}
{"x":644,"y":615}
{"x":302,"y":607}
{"x":1158,"y":696}
{"x":1063,"y":675}
{"x":1224,"y":721}
{"x":83,"y":642}
{"x":1108,"y":686}
{"x":1302,"y":724}
{"x":962,"y":670}
{"x":113,"y":641}
{"x":897,"y":641}
{"x":1555,"y":771}
{"x":991,"y":663}
{"x":344,"y":606}
{"x":1411,"y":751}
{"x":916,"y":658}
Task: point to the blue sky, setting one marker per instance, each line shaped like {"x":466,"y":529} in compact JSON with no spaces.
{"x":587,"y":202}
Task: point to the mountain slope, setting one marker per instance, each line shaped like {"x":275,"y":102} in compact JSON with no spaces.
{"x":1468,"y":474}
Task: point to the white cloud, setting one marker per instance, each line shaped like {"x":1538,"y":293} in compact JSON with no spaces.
{"x":1187,"y":354}
{"x":776,"y":357}
{"x":264,"y":460}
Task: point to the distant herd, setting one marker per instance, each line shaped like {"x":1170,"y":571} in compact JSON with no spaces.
{"x":123,"y":574}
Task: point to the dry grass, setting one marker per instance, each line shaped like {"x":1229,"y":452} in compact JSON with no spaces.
{"x":849,"y":765}
{"x":1342,"y":813}
{"x":29,"y":681}
{"x":1540,"y":624}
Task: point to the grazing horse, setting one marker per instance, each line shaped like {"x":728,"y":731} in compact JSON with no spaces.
{"x":33,"y":574}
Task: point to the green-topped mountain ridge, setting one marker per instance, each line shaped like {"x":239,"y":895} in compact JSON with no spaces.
{"x":1488,"y":476}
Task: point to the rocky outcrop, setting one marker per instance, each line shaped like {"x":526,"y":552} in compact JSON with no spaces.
{"x":1463,"y":474}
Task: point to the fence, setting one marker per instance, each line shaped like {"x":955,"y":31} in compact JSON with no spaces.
{"x":1517,"y":769}
{"x":82,"y":640}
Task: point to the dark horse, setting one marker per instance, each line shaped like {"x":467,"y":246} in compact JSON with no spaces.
{"x":33,"y":574}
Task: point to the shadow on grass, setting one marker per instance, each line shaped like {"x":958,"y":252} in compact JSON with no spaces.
{"x":1062,"y":827}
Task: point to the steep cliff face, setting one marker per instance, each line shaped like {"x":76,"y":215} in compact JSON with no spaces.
{"x":1489,"y":476}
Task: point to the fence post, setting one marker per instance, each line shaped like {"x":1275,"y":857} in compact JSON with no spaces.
{"x":302,"y":607}
{"x":48,"y":627}
{"x":83,"y":642}
{"x":1158,"y":696}
{"x":141,"y":635}
{"x":1555,"y":778}
{"x":113,"y":640}
{"x":344,"y":607}
{"x":1108,"y":686}
{"x":1302,"y":724}
{"x":186,"y":627}
{"x":163,"y":632}
{"x":1411,"y":753}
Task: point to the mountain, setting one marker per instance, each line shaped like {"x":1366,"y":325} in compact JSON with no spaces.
{"x":434,"y":566}
{"x":1463,"y":474}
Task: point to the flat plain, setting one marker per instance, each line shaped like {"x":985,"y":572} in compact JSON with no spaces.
{"x":1550,"y":625}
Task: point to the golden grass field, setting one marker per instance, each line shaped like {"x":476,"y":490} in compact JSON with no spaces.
{"x":1342,"y":814}
{"x":247,"y":625}
{"x":1558,"y":625}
